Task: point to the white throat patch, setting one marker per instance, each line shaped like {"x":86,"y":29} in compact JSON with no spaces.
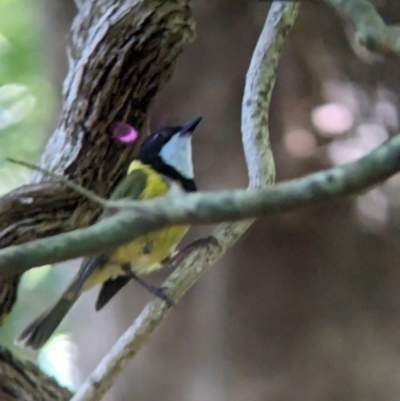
{"x":177,"y":153}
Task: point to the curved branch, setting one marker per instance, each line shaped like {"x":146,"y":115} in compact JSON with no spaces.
{"x":259,"y":84}
{"x":121,"y":52}
{"x":370,"y":29}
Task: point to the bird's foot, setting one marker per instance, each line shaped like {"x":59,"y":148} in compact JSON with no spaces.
{"x":175,"y":259}
{"x":158,"y":292}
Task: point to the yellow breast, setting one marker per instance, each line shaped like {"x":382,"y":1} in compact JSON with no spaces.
{"x":144,"y":255}
{"x":146,"y":252}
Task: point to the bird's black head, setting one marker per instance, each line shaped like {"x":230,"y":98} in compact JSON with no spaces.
{"x":169,"y":151}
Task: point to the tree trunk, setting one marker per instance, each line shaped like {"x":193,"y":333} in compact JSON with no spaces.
{"x":119,"y":55}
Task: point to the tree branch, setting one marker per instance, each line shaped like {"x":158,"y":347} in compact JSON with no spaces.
{"x":59,"y":178}
{"x":370,"y":29}
{"x":202,"y":207}
{"x":120,"y":53}
{"x":259,"y":84}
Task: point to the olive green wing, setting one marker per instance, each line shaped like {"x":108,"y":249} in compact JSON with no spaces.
{"x":130,"y":187}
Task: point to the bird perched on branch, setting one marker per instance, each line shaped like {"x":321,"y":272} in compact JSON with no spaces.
{"x":164,"y":159}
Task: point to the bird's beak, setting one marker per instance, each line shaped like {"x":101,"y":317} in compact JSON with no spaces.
{"x":189,"y":127}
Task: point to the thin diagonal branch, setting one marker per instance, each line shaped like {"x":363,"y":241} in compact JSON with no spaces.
{"x":259,"y":84}
{"x":370,"y":29}
{"x":68,"y":183}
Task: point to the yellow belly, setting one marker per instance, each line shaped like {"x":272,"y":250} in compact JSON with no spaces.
{"x":144,"y":255}
{"x":146,"y":252}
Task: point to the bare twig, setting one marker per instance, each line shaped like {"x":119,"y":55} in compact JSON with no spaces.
{"x":68,"y":183}
{"x":259,"y":83}
{"x":370,"y":29}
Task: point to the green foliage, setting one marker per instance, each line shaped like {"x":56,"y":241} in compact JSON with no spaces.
{"x":26,"y":97}
{"x":27,"y":103}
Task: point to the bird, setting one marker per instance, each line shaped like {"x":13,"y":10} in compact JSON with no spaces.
{"x":164,"y":160}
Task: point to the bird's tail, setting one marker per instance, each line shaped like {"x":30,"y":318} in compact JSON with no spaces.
{"x":41,"y":329}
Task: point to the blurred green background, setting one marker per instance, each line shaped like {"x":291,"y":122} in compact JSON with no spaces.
{"x":26,"y":95}
{"x":27,"y":106}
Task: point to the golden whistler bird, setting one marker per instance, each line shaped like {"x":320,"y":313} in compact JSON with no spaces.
{"x":164,"y":158}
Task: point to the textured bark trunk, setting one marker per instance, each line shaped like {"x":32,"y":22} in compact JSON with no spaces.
{"x":120,"y":55}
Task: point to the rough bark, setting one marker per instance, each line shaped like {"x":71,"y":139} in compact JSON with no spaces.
{"x":24,"y":381}
{"x":120,"y":53}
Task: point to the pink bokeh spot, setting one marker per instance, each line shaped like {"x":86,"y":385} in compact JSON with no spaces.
{"x":124,"y":133}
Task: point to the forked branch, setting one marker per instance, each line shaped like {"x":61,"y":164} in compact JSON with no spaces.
{"x":259,"y":84}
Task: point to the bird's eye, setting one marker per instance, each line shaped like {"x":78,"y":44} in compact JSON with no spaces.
{"x":162,"y":135}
